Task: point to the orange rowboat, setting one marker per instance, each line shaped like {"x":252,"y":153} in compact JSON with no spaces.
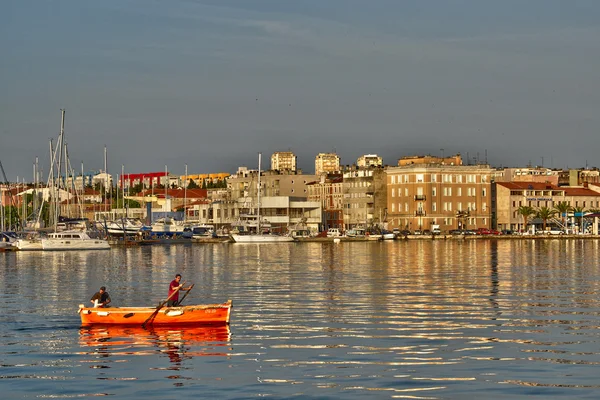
{"x":208,"y":314}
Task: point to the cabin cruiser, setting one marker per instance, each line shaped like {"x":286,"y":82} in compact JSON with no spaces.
{"x":73,"y":240}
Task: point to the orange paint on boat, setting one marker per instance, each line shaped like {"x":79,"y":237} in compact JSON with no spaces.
{"x":208,"y":314}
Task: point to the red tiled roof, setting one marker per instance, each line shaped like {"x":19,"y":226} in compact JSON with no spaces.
{"x":529,"y":186}
{"x":569,"y":190}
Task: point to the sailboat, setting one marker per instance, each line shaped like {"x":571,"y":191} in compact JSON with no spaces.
{"x":254,"y":221}
{"x":74,"y":239}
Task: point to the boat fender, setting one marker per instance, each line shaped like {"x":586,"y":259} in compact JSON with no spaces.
{"x":128,"y":315}
{"x":174,"y":313}
{"x":103,"y":313}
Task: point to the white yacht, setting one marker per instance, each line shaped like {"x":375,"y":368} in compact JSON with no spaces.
{"x":128,"y":226}
{"x":73,"y":240}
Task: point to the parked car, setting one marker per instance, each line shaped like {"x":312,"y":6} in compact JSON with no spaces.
{"x":507,"y":232}
{"x":427,"y":232}
{"x":485,"y":231}
{"x":554,"y":232}
{"x":418,"y":232}
{"x":457,"y":232}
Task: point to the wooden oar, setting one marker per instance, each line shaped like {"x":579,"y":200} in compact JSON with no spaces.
{"x":185,"y":295}
{"x":159,"y":307}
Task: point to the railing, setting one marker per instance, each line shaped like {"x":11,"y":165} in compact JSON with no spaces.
{"x":419,"y":213}
{"x":420,"y":197}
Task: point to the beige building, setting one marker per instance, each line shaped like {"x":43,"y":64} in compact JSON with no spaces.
{"x":512,"y":195}
{"x":284,"y":161}
{"x":369,"y":160}
{"x":527,"y":174}
{"x":427,"y":191}
{"x":328,"y":192}
{"x":327,"y":163}
{"x":200,"y":179}
{"x":365,"y":200}
{"x":273,"y":183}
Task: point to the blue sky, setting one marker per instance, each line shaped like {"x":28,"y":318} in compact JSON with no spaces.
{"x":210,"y":83}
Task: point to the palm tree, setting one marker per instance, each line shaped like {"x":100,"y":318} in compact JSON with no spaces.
{"x":545,"y":214}
{"x":580,"y":211}
{"x":526,"y":212}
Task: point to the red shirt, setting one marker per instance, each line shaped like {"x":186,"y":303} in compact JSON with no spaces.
{"x":172,"y":286}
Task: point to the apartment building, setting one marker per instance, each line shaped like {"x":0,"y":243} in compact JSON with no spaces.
{"x":202,"y":179}
{"x":364,"y":197}
{"x":327,"y":163}
{"x":369,"y":160}
{"x":427,"y":191}
{"x":512,"y":195}
{"x":284,"y":161}
{"x":328,"y":192}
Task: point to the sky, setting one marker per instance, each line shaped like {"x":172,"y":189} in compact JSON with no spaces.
{"x":211,"y":83}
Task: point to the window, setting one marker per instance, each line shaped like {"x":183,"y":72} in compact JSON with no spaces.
{"x":393,"y":207}
{"x":459,"y":191}
{"x":433,"y":207}
{"x":483,"y":192}
{"x":433,"y":191}
{"x":393,"y":192}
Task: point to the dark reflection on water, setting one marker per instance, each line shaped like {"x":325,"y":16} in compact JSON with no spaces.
{"x":409,"y":319}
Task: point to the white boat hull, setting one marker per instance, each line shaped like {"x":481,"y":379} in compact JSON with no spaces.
{"x":75,"y":244}
{"x":73,"y":240}
{"x":28,"y":245}
{"x":261,"y":238}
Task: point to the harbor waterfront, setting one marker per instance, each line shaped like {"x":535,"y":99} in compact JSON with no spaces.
{"x":420,"y":319}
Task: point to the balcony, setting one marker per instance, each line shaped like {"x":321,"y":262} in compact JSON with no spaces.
{"x":420,"y":197}
{"x":420,"y":213}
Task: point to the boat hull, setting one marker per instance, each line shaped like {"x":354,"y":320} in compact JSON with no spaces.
{"x":75,"y":244}
{"x":209,"y":314}
{"x":261,"y":238}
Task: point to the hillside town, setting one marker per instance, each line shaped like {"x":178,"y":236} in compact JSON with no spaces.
{"x":419,"y":195}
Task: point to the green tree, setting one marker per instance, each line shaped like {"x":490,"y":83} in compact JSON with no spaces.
{"x":136,"y":189}
{"x":545,"y":214}
{"x":192,"y":185}
{"x":526,"y":212}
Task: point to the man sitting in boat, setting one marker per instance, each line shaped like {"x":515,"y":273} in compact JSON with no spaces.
{"x":101,"y":298}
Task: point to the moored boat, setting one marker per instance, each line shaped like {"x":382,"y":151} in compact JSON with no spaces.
{"x":73,"y":240}
{"x":207,"y":314}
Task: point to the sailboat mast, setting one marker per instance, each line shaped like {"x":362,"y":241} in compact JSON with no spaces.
{"x":258,"y":198}
{"x":185,"y":195}
{"x":105,"y":182}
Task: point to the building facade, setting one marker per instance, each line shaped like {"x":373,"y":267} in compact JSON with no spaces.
{"x":510,"y":196}
{"x":328,"y":193}
{"x":284,"y":161}
{"x":369,"y":160}
{"x":439,"y":191}
{"x":365,"y":198}
{"x":327,"y":163}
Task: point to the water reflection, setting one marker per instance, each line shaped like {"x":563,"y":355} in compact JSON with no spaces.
{"x":177,"y":343}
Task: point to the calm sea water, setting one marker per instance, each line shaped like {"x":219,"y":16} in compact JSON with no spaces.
{"x":407,"y":319}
